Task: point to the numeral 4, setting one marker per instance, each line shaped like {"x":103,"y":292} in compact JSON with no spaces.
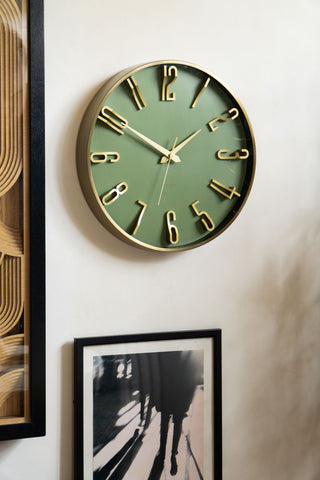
{"x":227,"y":192}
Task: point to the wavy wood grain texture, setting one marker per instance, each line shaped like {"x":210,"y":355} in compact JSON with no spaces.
{"x":13,"y":369}
{"x":10,"y":95}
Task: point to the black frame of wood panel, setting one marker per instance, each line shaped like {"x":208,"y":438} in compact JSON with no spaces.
{"x":37,"y":424}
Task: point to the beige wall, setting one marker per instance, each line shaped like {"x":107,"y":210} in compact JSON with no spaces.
{"x":259,"y":281}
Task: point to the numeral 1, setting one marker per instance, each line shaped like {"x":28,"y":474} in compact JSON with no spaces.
{"x":204,"y":86}
{"x":204,"y":217}
{"x":135,"y":90}
{"x":144,"y":206}
{"x":227,"y":192}
{"x":168,"y":72}
{"x":103,"y":157}
{"x":114,"y":193}
{"x":172,"y":229}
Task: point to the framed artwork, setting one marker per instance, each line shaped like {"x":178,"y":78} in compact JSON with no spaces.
{"x":22,"y":237}
{"x":148,"y":406}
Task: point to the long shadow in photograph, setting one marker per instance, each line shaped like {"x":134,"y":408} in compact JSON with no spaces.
{"x":122,"y":461}
{"x":103,"y":473}
{"x":157,"y":467}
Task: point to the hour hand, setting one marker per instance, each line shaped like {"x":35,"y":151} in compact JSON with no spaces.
{"x":167,"y":153}
{"x":118,"y":123}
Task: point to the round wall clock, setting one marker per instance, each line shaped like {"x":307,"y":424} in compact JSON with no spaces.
{"x":165,"y":156}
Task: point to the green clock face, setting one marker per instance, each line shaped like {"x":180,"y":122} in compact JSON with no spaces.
{"x":165,"y":156}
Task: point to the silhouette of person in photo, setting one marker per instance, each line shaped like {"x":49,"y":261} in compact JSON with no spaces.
{"x":175,"y":377}
{"x":141,"y":380}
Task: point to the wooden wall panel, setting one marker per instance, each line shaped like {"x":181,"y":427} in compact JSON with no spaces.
{"x":14,"y":205}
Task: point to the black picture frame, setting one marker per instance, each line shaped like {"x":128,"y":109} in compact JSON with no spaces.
{"x":35,"y":425}
{"x":122,"y":402}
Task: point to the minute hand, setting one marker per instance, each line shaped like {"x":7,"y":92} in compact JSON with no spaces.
{"x":181,"y":145}
{"x":155,"y":145}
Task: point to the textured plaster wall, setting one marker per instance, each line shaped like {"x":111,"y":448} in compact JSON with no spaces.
{"x":259,"y":281}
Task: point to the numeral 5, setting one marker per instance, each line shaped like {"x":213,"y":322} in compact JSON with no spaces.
{"x":204,"y":217}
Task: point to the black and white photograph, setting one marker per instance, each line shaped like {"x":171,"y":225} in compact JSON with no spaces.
{"x":149,"y":409}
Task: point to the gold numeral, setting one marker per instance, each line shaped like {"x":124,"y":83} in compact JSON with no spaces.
{"x":242,"y":154}
{"x":227,"y":192}
{"x":144,"y":206}
{"x":204,"y":217}
{"x":103,"y":157}
{"x":114,"y":193}
{"x":135,"y":90}
{"x":113,"y":119}
{"x":233,"y":112}
{"x":172,"y":229}
{"x":202,"y":89}
{"x":171,"y":72}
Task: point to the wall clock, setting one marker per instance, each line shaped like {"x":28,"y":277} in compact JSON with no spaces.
{"x":165,"y":156}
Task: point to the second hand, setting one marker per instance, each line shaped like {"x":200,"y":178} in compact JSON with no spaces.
{"x":166,"y":173}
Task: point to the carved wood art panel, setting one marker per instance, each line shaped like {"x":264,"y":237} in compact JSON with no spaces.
{"x":14,"y":214}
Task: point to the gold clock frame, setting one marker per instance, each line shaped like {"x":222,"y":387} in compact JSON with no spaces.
{"x":83,"y":154}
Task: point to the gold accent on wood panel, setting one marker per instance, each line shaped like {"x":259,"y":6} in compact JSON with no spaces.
{"x":11,"y":293}
{"x":11,"y":351}
{"x":11,"y":241}
{"x":10,"y":383}
{"x":10,"y":95}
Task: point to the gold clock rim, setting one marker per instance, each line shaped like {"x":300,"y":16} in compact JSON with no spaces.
{"x":83,"y":150}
